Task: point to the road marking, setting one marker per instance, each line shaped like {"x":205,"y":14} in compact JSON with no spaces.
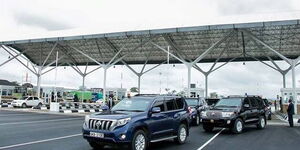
{"x":40,"y":141}
{"x":29,"y":122}
{"x":205,"y":144}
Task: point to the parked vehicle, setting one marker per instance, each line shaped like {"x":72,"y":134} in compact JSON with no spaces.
{"x":27,"y":101}
{"x":196,"y":105}
{"x":267,"y":105}
{"x":137,"y":121}
{"x":234,"y":113}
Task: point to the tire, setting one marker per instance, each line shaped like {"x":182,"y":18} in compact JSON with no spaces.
{"x":197,"y":121}
{"x":261,"y":122}
{"x":95,"y":145}
{"x":182,"y":134}
{"x":24,"y":105}
{"x":238,"y":126}
{"x":39,"y":105}
{"x":139,"y":141}
{"x":208,"y":127}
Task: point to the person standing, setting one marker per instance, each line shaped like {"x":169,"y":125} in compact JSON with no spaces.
{"x":280,"y":103}
{"x":291,"y":112}
{"x":275,"y":104}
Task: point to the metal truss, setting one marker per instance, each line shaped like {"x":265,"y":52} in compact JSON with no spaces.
{"x":189,"y":64}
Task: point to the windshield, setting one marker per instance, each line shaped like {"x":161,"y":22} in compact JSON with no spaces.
{"x":192,"y":102}
{"x":229,"y":102}
{"x":138,"y":105}
{"x":23,"y":98}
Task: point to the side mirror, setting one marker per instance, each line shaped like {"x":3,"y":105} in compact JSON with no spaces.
{"x":156,"y":110}
{"x":246,"y":106}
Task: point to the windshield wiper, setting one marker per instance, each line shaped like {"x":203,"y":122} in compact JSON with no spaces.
{"x":120,"y":110}
{"x":136,"y":110}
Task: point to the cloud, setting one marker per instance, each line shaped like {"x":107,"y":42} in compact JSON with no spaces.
{"x":240,"y":7}
{"x":35,"y":20}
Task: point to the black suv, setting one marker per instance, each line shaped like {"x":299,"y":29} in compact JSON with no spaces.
{"x":137,"y":121}
{"x":234,"y":113}
{"x":196,"y":106}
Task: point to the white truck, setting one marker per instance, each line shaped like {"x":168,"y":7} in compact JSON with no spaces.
{"x":27,"y":101}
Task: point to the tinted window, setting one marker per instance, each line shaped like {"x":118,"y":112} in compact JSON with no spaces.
{"x":170,"y":105}
{"x":159,"y":104}
{"x":192,"y":102}
{"x":260,"y":102}
{"x":229,"y":102}
{"x":254,"y":102}
{"x":180,"y":103}
{"x":246,"y":101}
{"x":35,"y":98}
{"x":133,"y":104}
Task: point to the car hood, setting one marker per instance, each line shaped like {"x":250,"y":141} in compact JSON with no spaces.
{"x":115,"y":115}
{"x":18,"y":101}
{"x":224,"y":109}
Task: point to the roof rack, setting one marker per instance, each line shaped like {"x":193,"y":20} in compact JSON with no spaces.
{"x":149,"y":95}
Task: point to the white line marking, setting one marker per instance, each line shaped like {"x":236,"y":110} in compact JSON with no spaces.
{"x":40,"y":141}
{"x":200,"y":148}
{"x":29,"y":122}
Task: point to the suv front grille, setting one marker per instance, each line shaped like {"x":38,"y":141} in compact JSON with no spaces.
{"x":101,"y":124}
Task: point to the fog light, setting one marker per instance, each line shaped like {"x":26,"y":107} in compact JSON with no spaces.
{"x":123,"y":136}
{"x":228,"y":121}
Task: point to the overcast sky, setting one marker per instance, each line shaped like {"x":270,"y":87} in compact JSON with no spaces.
{"x":51,"y":18}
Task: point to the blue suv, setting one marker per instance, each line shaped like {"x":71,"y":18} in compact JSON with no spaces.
{"x":138,"y":121}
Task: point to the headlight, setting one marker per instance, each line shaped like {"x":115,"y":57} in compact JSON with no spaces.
{"x":87,"y":118}
{"x":122,"y":122}
{"x":227,"y":114}
{"x":203,"y":114}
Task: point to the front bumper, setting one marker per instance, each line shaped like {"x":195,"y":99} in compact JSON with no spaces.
{"x":110,"y":137}
{"x":16,"y":104}
{"x":219,"y":122}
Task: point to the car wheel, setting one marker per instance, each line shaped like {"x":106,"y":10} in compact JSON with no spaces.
{"x":238,"y":126}
{"x":95,"y":145}
{"x":208,"y":127}
{"x":139,"y":141}
{"x":24,"y":105}
{"x":197,"y":121}
{"x":181,"y":134}
{"x":261,"y":122}
{"x":39,"y":105}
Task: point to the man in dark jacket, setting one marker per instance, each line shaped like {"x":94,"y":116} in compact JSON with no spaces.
{"x":291,"y":112}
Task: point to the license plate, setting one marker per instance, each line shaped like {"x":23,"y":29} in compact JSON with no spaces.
{"x":98,"y":135}
{"x":212,"y":121}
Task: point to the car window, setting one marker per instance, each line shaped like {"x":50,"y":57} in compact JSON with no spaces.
{"x":170,"y":105}
{"x":246,"y":101}
{"x":160,"y":104}
{"x":260,"y":102}
{"x":254,"y":102}
{"x":29,"y":99}
{"x":180,"y":103}
{"x":35,"y":98}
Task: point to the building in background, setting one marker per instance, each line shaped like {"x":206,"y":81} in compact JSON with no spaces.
{"x":195,"y":92}
{"x":286,"y":94}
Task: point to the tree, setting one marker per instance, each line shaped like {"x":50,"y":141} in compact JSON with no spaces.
{"x":134,"y":90}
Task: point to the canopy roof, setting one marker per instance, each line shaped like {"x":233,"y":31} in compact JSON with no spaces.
{"x":185,"y":42}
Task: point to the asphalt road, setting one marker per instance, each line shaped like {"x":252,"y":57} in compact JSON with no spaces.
{"x":33,"y":131}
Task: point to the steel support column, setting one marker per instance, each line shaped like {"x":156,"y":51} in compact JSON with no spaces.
{"x":39,"y":78}
{"x":104,"y":82}
{"x":206,"y":85}
{"x":283,"y":81}
{"x":139,"y":83}
{"x":295,"y":99}
{"x":189,"y":68}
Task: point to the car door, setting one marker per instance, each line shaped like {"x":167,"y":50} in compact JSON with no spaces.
{"x":29,"y":101}
{"x":254,"y":110}
{"x":246,"y":111}
{"x":158,"y":122}
{"x":175,"y":112}
{"x":35,"y":101}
